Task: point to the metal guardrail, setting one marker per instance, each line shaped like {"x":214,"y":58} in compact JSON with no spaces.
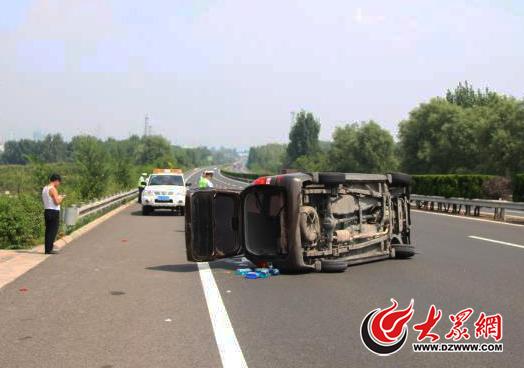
{"x":237,"y":178}
{"x":74,"y":213}
{"x":455,"y":205}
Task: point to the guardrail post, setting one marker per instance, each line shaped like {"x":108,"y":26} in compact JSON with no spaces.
{"x":71,"y":215}
{"x":470,"y":206}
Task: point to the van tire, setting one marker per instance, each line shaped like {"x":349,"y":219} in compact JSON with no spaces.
{"x":398,"y":179}
{"x":309,"y":224}
{"x":331,"y":178}
{"x":403,"y":251}
{"x":332,"y":265}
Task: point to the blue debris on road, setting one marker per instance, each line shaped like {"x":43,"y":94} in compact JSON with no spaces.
{"x":257,"y":273}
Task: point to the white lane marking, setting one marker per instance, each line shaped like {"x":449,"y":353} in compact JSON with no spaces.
{"x":496,"y":241}
{"x":192,"y":174}
{"x":467,"y":218}
{"x":227,"y":343}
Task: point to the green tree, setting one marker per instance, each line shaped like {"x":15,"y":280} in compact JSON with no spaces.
{"x":362,"y":147}
{"x":465,"y":96}
{"x":501,"y":136}
{"x":268,"y":158}
{"x":123,"y":169}
{"x":314,"y":162}
{"x":155,"y":150}
{"x":53,"y":149}
{"x":468,"y":132}
{"x":92,"y":164}
{"x":40,"y":173}
{"x":17,"y":152}
{"x":439,"y":137}
{"x":303,"y":137}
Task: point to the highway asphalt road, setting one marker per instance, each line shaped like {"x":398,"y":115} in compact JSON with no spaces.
{"x":123,"y":295}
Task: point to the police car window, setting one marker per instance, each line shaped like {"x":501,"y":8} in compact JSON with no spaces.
{"x":166,"y":180}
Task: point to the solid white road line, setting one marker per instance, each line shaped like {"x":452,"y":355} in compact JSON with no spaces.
{"x":228,"y":347}
{"x":496,"y":241}
{"x":195,"y":171}
{"x":467,"y":218}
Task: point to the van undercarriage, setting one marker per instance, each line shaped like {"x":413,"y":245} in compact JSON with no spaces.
{"x":306,"y":221}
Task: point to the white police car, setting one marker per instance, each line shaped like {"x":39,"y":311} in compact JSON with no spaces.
{"x":165,"y":189}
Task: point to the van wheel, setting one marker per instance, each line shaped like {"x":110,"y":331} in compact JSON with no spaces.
{"x":146,"y":210}
{"x":398,"y":179}
{"x":331,"y":178}
{"x":332,"y":265}
{"x":309,"y":223}
{"x":403,"y":251}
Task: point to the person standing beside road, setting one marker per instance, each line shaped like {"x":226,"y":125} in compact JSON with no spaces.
{"x":205,"y":180}
{"x":141,"y":186}
{"x":51,"y":200}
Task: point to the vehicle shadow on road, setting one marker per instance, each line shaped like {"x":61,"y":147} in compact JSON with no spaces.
{"x":190,"y":267}
{"x":182,"y":267}
{"x":156,"y":213}
{"x":226,"y":264}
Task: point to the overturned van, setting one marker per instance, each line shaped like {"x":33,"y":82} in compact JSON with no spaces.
{"x":303,"y":222}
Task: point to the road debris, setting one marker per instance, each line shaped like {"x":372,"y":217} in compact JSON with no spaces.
{"x":257,"y":273}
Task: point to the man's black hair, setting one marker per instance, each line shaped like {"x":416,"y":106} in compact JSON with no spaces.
{"x":55,"y":177}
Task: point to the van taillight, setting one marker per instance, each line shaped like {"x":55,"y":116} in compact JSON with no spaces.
{"x":261,"y":181}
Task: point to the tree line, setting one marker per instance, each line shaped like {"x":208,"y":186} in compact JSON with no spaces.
{"x":138,"y":150}
{"x":95,"y":165}
{"x":466,"y":131}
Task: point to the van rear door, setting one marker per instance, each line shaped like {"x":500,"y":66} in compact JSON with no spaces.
{"x":212,"y":224}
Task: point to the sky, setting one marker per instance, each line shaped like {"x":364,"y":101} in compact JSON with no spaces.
{"x":230,"y":73}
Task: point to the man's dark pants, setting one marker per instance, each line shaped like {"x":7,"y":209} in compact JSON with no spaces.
{"x":140,"y":190}
{"x":52,"y":220}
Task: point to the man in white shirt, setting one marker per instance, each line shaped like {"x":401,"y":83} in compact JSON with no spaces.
{"x":51,"y":200}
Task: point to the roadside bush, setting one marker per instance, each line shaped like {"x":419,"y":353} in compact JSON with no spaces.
{"x":518,"y":188}
{"x":463,"y":186}
{"x":21,"y":221}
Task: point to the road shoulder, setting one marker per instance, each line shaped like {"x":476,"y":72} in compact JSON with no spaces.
{"x":14,"y":263}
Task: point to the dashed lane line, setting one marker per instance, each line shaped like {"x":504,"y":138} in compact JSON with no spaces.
{"x":228,"y":347}
{"x":496,"y":241}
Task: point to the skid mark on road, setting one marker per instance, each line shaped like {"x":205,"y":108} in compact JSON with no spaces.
{"x":228,"y":347}
{"x":496,"y":241}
